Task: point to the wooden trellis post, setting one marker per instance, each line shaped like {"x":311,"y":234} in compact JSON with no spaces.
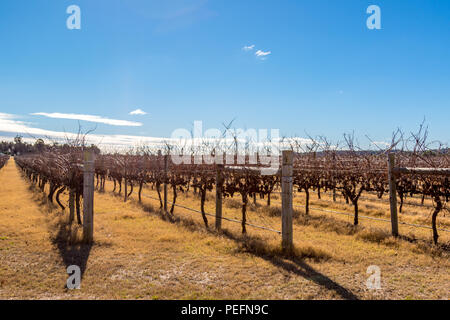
{"x":219,"y":186}
{"x":166,"y":168}
{"x":393,"y":194}
{"x":334,"y":173}
{"x":287,"y":197}
{"x":88,"y":196}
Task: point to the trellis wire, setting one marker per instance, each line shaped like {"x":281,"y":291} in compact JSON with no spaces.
{"x":223,"y":218}
{"x":370,"y":218}
{"x":311,"y":207}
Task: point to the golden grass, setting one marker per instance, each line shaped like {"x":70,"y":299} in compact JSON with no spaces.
{"x":140,"y":254}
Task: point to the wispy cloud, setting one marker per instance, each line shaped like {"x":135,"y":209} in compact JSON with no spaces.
{"x":138,"y":112}
{"x":107,"y":142}
{"x":381,"y":143}
{"x":9,"y":124}
{"x":249,"y":48}
{"x":89,"y":118}
{"x":261,"y":53}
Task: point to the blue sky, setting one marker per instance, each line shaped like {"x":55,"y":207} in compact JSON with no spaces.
{"x":183,"y":60}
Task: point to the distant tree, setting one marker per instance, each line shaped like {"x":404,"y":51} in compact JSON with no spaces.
{"x":95,"y":149}
{"x":18,"y":140}
{"x":39,"y":145}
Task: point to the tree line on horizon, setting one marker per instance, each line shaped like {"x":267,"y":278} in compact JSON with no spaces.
{"x":19,"y":147}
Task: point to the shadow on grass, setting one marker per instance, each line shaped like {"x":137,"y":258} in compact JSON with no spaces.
{"x":294,"y":262}
{"x":40,"y":197}
{"x":149,"y":208}
{"x":70,"y":245}
{"x":65,"y":236}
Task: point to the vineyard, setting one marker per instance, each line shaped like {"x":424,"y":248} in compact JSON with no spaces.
{"x":204,"y":226}
{"x":3,"y":160}
{"x":350,"y":175}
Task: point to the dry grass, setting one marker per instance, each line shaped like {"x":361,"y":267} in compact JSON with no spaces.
{"x":139,"y":253}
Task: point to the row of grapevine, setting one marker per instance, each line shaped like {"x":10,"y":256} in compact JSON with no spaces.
{"x":60,"y":170}
{"x":349,"y":173}
{"x":3,"y":160}
{"x":130,"y":171}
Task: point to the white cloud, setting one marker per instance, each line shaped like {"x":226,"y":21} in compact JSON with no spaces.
{"x":113,"y":142}
{"x":138,"y":112}
{"x":8,"y":124}
{"x":381,"y":143}
{"x":123,"y":143}
{"x":89,"y":118}
{"x":261,"y":53}
{"x":248,"y":48}
{"x":6,"y":116}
